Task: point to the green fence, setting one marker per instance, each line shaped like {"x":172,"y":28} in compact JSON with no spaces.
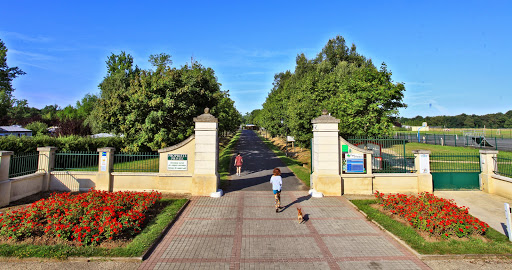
{"x":388,"y":154}
{"x":23,"y":164}
{"x":503,"y":166}
{"x":76,"y":161}
{"x":136,"y":162}
{"x":448,"y":162}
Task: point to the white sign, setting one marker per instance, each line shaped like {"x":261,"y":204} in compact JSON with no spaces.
{"x":424,"y":163}
{"x":177,"y":162}
{"x":103,"y":162}
{"x":290,"y":139}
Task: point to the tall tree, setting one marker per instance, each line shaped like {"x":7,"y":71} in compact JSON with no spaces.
{"x":7,"y":74}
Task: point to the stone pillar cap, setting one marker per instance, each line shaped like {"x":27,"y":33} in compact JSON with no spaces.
{"x":206,"y":117}
{"x":47,"y":148}
{"x":106,"y":149}
{"x":6,"y":153}
{"x":421,"y":151}
{"x":325,"y":118}
{"x":489,"y":151}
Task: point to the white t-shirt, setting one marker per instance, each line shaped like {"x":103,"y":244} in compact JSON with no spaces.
{"x":276,"y":181}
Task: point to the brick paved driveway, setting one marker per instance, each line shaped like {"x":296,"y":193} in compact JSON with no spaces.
{"x":242,"y":231}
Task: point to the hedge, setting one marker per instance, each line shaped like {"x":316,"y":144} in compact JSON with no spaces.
{"x":68,"y":143}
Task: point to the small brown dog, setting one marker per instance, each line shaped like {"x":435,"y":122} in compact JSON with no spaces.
{"x":300,"y":217}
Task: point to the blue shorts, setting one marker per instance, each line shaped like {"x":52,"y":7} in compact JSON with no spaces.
{"x":277,"y":191}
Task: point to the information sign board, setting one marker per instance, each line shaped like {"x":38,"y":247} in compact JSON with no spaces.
{"x":103,"y":162}
{"x":354,"y":163}
{"x":177,"y":162}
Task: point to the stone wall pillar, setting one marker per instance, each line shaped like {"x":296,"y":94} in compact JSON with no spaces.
{"x":422,"y":166}
{"x":5,"y":183}
{"x":326,"y":177}
{"x":205,"y":180}
{"x":105,"y":164}
{"x":46,"y":164}
{"x":487,"y":166}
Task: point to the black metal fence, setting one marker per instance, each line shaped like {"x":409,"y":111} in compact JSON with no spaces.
{"x":497,"y":143}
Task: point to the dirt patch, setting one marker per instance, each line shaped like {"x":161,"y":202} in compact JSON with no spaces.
{"x":423,"y":234}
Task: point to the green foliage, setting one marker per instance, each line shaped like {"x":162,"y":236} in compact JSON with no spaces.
{"x":493,"y":120}
{"x":155,"y":109}
{"x":38,"y":128}
{"x":7,"y":74}
{"x":225,"y":158}
{"x":340,"y":80}
{"x":68,"y":143}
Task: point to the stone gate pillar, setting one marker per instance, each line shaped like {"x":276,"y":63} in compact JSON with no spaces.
{"x":206,"y":179}
{"x":5,"y":183}
{"x":487,"y":166}
{"x":326,"y":176}
{"x":46,"y":164}
{"x":422,"y":166}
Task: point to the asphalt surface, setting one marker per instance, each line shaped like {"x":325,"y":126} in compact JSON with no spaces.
{"x":259,"y":161}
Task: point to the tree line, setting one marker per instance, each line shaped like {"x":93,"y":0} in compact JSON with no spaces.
{"x":151,"y":108}
{"x":338,"y":79}
{"x":493,"y":120}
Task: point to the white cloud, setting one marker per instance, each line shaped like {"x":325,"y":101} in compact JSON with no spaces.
{"x":33,"y":56}
{"x":37,"y":39}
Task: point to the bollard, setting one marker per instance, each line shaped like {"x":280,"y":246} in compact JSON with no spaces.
{"x":507,"y":214}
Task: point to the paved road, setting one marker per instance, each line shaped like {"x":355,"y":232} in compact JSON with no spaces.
{"x":259,"y":161}
{"x":241,"y":230}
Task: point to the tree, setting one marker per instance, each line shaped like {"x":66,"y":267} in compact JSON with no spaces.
{"x":155,"y":109}
{"x":7,"y":74}
{"x":38,"y":128}
{"x":340,"y":80}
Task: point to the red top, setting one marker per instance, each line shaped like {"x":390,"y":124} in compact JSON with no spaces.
{"x":239,"y":160}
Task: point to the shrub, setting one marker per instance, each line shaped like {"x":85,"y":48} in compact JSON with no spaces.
{"x":65,"y":143}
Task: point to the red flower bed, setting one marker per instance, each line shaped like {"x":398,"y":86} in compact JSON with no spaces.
{"x":437,"y":216}
{"x":89,"y":218}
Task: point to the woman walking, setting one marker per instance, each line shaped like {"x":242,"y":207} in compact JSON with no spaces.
{"x":277,"y":183}
{"x":238,"y":164}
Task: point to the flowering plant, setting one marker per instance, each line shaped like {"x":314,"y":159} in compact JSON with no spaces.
{"x":88,"y":218}
{"x":437,"y":216}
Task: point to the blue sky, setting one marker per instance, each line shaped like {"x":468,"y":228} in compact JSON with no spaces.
{"x":453,"y":56}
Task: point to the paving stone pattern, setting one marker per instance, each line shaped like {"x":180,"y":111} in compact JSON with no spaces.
{"x":229,"y":233}
{"x":241,"y":230}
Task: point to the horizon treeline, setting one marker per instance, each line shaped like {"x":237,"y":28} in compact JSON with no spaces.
{"x":493,"y":120}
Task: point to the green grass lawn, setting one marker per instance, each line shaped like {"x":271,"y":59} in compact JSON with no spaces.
{"x":135,"y":248}
{"x":497,"y":242}
{"x":503,"y":133}
{"x":225,"y":159}
{"x":444,"y":149}
{"x":296,"y":166}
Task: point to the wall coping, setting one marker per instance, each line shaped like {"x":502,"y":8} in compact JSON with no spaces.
{"x":503,"y":178}
{"x":364,"y":151}
{"x":176,"y":146}
{"x":421,"y":151}
{"x":355,"y":175}
{"x":135,"y":173}
{"x":6,"y":153}
{"x":24,"y":177}
{"x":73,"y":172}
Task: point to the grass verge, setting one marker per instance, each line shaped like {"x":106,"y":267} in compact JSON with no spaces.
{"x":296,"y":166}
{"x":135,"y":248}
{"x":225,"y":159}
{"x":497,"y":242}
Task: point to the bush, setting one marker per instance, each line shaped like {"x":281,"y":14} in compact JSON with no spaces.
{"x":67,"y":143}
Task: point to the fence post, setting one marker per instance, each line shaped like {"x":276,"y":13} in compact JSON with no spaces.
{"x":105,"y":164}
{"x":422,"y":166}
{"x":487,"y":166}
{"x":46,"y":163}
{"x":5,"y":183}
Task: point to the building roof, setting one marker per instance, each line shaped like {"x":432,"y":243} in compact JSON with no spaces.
{"x":13,"y":129}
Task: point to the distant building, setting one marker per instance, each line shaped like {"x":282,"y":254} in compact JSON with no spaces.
{"x":17,"y":131}
{"x":104,"y":135}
